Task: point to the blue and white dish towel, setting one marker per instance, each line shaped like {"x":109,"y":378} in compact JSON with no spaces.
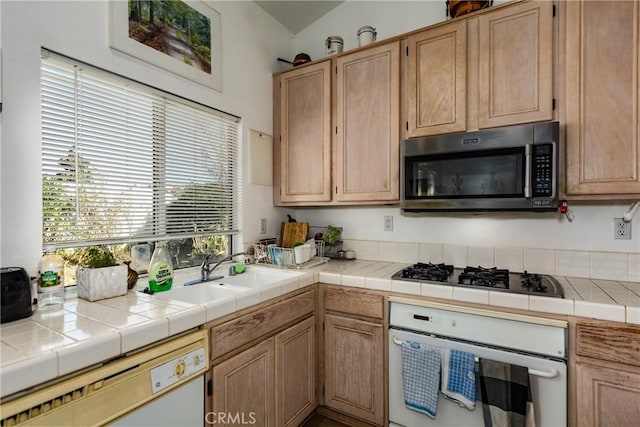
{"x":421,"y":376}
{"x":459,"y":377}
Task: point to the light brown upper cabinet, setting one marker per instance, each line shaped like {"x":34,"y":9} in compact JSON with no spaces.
{"x":515,"y":83}
{"x":339,"y":124}
{"x":494,"y":68}
{"x":437,"y":80}
{"x":302,"y":153}
{"x":602,"y":88}
{"x":367,"y":140}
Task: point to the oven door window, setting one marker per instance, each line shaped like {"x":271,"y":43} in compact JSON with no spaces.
{"x":481,"y":174}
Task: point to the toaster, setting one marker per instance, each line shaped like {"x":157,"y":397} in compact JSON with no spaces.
{"x":15,"y":292}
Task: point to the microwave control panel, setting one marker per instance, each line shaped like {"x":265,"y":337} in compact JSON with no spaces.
{"x":543,"y":170}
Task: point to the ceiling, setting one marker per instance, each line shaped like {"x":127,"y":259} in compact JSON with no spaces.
{"x":297,"y":15}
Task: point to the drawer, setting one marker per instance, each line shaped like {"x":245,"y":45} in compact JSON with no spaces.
{"x":260,"y":323}
{"x":619,"y":343}
{"x":354,"y":302}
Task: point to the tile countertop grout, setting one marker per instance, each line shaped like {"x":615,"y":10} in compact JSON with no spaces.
{"x":50,"y":344}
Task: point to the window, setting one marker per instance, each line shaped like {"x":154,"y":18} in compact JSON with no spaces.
{"x":124,"y":164}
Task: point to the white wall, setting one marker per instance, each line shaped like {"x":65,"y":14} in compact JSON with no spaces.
{"x":389,"y":18}
{"x":593,"y":225}
{"x":591,"y":230}
{"x":251,"y":42}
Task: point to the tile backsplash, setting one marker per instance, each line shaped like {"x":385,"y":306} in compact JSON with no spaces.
{"x":620,"y":266}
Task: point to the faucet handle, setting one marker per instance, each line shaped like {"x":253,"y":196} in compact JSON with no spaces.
{"x":204,"y":268}
{"x":205,"y":263}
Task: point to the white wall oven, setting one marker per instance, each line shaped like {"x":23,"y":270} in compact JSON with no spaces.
{"x":537,"y":344}
{"x":507,"y":168}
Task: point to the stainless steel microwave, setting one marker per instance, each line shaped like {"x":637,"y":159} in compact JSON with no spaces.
{"x":507,"y":168}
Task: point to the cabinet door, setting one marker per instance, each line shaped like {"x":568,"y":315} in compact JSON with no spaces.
{"x":367,"y":119}
{"x":305,"y":131}
{"x":296,"y":373}
{"x":353,"y":368}
{"x":436,"y":90}
{"x":603,"y":98}
{"x":606,"y":397}
{"x":515,"y":64}
{"x":243,"y":388}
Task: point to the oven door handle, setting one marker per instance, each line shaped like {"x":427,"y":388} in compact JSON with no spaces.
{"x":527,"y":171}
{"x":552,"y":373}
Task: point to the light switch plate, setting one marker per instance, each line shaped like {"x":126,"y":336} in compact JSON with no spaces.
{"x":388,"y":223}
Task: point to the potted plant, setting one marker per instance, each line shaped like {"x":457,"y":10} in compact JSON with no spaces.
{"x":99,"y":276}
{"x":332,"y":237}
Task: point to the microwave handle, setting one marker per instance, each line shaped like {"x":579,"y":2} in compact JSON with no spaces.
{"x":527,"y":171}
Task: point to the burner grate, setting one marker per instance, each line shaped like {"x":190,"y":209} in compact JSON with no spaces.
{"x":532,"y":282}
{"x":428,"y":271}
{"x":486,"y":277}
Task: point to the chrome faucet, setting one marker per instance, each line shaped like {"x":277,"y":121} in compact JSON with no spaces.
{"x":206,"y":269}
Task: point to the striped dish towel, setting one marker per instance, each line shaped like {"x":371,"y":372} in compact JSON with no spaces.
{"x":421,"y":377}
{"x":459,"y":377}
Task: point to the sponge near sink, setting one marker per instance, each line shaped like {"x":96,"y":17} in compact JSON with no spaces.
{"x":240,"y":268}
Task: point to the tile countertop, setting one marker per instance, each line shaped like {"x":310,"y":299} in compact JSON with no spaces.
{"x":55,"y":343}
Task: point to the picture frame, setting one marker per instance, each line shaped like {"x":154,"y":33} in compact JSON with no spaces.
{"x":178,"y":36}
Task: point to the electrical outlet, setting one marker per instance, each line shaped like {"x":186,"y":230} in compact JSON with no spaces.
{"x":263,"y":225}
{"x":621,"y":229}
{"x":388,"y":223}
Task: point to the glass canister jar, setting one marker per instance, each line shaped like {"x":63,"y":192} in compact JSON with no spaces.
{"x":334,"y":45}
{"x":366,"y":35}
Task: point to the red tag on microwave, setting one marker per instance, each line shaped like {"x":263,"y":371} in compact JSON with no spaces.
{"x":564,"y":207}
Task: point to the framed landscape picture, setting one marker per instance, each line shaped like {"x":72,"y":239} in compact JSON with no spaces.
{"x":180,"y":36}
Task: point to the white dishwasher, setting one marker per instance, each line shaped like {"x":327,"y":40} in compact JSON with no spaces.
{"x":536,"y":343}
{"x":162,"y":385}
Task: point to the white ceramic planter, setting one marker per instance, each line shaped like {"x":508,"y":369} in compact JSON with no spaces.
{"x":100,"y":283}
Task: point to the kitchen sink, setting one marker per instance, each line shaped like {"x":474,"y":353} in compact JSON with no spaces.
{"x":196,"y":292}
{"x":202,"y":293}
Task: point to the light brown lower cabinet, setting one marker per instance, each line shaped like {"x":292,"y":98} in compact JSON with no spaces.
{"x":270,"y":384}
{"x":607,"y":374}
{"x":607,"y":397}
{"x":353,"y":367}
{"x":243,"y":388}
{"x":296,"y":396}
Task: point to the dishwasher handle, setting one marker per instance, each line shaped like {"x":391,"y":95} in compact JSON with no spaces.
{"x":544,"y":374}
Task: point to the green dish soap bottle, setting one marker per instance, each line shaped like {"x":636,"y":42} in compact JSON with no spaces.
{"x":160,"y":269}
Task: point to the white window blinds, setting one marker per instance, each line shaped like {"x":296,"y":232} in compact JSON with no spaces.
{"x":123,"y":162}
